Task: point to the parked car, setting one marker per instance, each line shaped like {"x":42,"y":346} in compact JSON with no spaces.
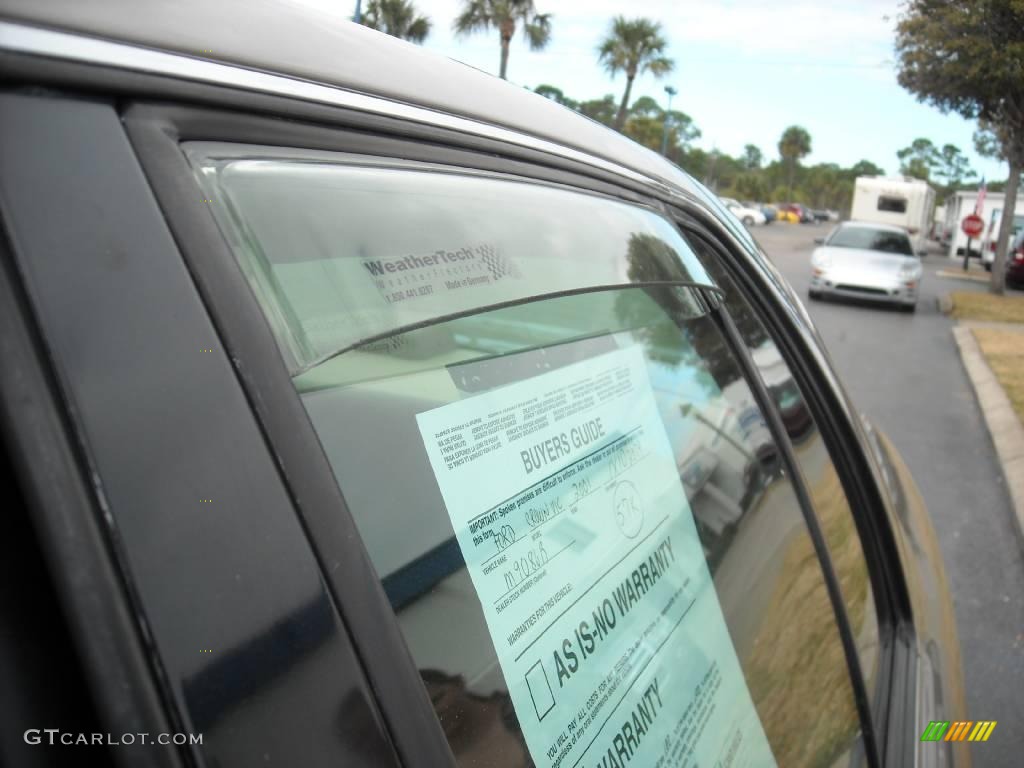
{"x":749,"y":216}
{"x":1015,"y":261}
{"x":819,"y":215}
{"x":364,"y":409}
{"x":802,"y":213}
{"x":871,"y":262}
{"x":783,"y":213}
{"x":1015,"y":270}
{"x":769,"y":212}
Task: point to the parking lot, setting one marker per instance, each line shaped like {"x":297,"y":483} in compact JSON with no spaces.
{"x":904,"y":372}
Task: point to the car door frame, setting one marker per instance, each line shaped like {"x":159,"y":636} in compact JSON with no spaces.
{"x":893,"y":708}
{"x":69,"y":467}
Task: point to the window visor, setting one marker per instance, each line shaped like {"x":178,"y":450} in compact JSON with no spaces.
{"x":344,"y":249}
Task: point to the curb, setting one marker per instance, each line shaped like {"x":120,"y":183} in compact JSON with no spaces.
{"x":972,"y":276}
{"x":1000,"y":418}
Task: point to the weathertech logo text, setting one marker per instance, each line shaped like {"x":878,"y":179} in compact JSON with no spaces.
{"x":959,"y":730}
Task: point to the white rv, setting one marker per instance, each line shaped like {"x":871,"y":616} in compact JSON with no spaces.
{"x":901,"y":201}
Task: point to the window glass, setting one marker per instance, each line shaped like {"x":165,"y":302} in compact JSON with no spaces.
{"x":892,"y":204}
{"x":765,"y":573}
{"x":577,"y":510}
{"x":819,"y":473}
{"x":869,"y":238}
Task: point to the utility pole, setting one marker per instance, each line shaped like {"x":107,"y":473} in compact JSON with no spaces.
{"x":664,"y":132}
{"x":358,"y":17}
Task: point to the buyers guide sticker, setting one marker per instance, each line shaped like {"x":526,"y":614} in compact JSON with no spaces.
{"x":566,"y":502}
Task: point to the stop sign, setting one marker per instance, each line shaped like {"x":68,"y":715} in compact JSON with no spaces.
{"x":972,"y":225}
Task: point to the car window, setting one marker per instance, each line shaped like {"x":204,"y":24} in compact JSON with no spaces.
{"x":575,"y":504}
{"x":892,"y":204}
{"x":828,"y":498}
{"x":871,"y":239}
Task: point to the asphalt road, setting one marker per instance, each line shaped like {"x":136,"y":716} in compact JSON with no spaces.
{"x":904,"y":372}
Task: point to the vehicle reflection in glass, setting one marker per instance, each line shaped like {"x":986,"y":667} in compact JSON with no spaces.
{"x":828,"y":497}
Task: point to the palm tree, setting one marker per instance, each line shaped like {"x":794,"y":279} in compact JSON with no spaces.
{"x":633,"y":46}
{"x":398,"y":18}
{"x":503,"y":15}
{"x":794,"y":145}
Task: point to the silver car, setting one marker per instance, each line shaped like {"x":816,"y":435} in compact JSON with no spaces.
{"x":874,"y":262}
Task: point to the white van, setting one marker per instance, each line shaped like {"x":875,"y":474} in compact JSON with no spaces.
{"x":961,"y":204}
{"x":991,"y":237}
{"x":900,"y":201}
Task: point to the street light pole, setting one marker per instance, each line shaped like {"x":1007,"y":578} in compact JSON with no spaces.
{"x":358,"y":17}
{"x":664,"y":133}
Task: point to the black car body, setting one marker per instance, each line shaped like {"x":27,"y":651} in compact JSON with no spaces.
{"x":236,"y":411}
{"x":1014,"y":261}
{"x":1015,"y":268}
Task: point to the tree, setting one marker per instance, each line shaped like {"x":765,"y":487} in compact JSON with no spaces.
{"x":722,"y":171}
{"x":794,"y":145}
{"x":645,"y":124}
{"x":682,"y":130}
{"x":645,"y":106}
{"x":823,"y":184}
{"x":752,"y":157}
{"x":397,"y":18}
{"x":503,"y":15}
{"x":633,"y":46}
{"x":919,"y":159}
{"x":602,"y":110}
{"x":556,"y":95}
{"x":953,"y":168}
{"x":696,"y":162}
{"x":964,"y":56}
{"x":866,"y":168}
{"x":748,"y":186}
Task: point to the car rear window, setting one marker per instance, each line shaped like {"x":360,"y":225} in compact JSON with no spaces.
{"x":572,"y":497}
{"x":870,"y":239}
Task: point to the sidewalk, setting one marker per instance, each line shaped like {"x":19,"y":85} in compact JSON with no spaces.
{"x":993,"y":356}
{"x":954,"y":269}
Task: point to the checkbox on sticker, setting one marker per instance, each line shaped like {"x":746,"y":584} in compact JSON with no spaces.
{"x":540,"y":690}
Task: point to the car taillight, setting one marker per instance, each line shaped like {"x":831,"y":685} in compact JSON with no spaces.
{"x":992,"y":245}
{"x":1018,"y":257}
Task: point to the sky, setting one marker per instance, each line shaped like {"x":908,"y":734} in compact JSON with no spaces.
{"x":745,"y":70}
